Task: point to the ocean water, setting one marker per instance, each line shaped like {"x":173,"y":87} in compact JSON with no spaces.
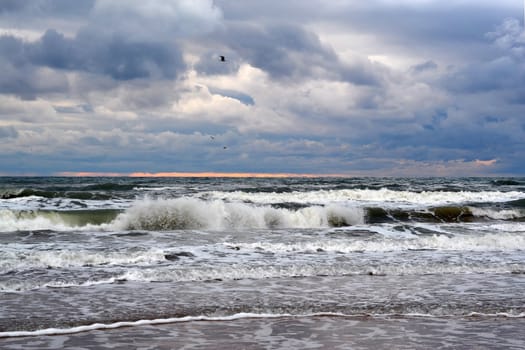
{"x":283,"y":263}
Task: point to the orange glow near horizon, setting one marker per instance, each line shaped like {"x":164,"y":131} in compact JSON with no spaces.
{"x":485,"y":162}
{"x":194,"y":174}
{"x":213,"y":174}
{"x":87,"y":173}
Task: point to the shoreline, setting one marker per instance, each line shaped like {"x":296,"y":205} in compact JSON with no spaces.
{"x":316,"y":331}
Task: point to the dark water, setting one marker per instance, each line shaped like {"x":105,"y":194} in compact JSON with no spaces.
{"x":324,"y":262}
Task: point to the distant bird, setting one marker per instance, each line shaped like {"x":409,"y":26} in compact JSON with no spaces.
{"x":225,"y":147}
{"x":222,"y":58}
{"x":212,"y":137}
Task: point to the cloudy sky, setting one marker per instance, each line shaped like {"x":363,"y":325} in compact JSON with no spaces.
{"x":351,"y":87}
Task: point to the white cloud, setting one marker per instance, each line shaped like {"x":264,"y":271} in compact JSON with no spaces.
{"x":15,"y":111}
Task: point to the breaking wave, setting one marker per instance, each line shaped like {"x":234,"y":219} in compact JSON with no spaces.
{"x":29,"y":220}
{"x":384,"y":197}
{"x":189,"y":213}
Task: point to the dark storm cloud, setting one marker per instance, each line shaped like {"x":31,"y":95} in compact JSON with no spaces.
{"x":505,"y":72}
{"x":12,"y":50}
{"x":106,"y":40}
{"x":437,"y":27}
{"x":17,"y":81}
{"x":287,"y":51}
{"x":115,"y":56}
{"x":423,"y":67}
{"x":27,"y":81}
{"x":283,"y":51}
{"x":348,"y":85}
{"x":16,"y":75}
{"x":501,"y":73}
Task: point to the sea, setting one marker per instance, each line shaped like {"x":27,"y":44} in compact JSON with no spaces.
{"x":262,"y":263}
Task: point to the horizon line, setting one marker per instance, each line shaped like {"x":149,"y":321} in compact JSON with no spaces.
{"x":193,"y":174}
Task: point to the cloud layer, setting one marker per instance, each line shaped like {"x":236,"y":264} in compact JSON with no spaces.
{"x":401,"y":88}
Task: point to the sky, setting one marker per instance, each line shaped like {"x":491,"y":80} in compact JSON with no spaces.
{"x":343,"y":87}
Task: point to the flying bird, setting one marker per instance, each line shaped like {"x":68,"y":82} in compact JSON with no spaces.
{"x":222,"y":58}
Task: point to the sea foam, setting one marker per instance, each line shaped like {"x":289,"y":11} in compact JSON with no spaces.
{"x":383,"y":197}
{"x":190,"y":213}
{"x":100,"y":326}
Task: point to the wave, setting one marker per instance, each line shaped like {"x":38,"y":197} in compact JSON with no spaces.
{"x":507,"y":182}
{"x":437,"y":214}
{"x":66,"y":258}
{"x":242,"y":271}
{"x":100,"y":191}
{"x":121,"y":324}
{"x":219,"y":214}
{"x":27,"y":285}
{"x":159,"y":265}
{"x":382,"y":197}
{"x":28,"y":220}
{"x":498,"y":214}
{"x":108,"y":186}
{"x":391,"y":243}
{"x":508,"y":227}
{"x":191,"y":213}
{"x":243,"y":316}
{"x":520,"y":203}
{"x":392,"y":239}
{"x":29,"y":192}
{"x":245,"y":271}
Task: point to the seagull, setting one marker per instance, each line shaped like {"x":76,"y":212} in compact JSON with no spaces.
{"x":222,"y":58}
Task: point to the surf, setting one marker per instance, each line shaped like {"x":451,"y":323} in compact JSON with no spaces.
{"x":188,"y":213}
{"x":191,"y":213}
{"x":383,"y":197}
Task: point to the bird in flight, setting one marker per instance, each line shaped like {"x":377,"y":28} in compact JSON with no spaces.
{"x":222,"y":58}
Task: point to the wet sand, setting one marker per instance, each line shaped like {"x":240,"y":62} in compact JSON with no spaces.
{"x":319,"y":332}
{"x":469,"y":312}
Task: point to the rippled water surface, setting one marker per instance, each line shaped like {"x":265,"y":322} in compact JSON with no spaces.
{"x":287,"y":256}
